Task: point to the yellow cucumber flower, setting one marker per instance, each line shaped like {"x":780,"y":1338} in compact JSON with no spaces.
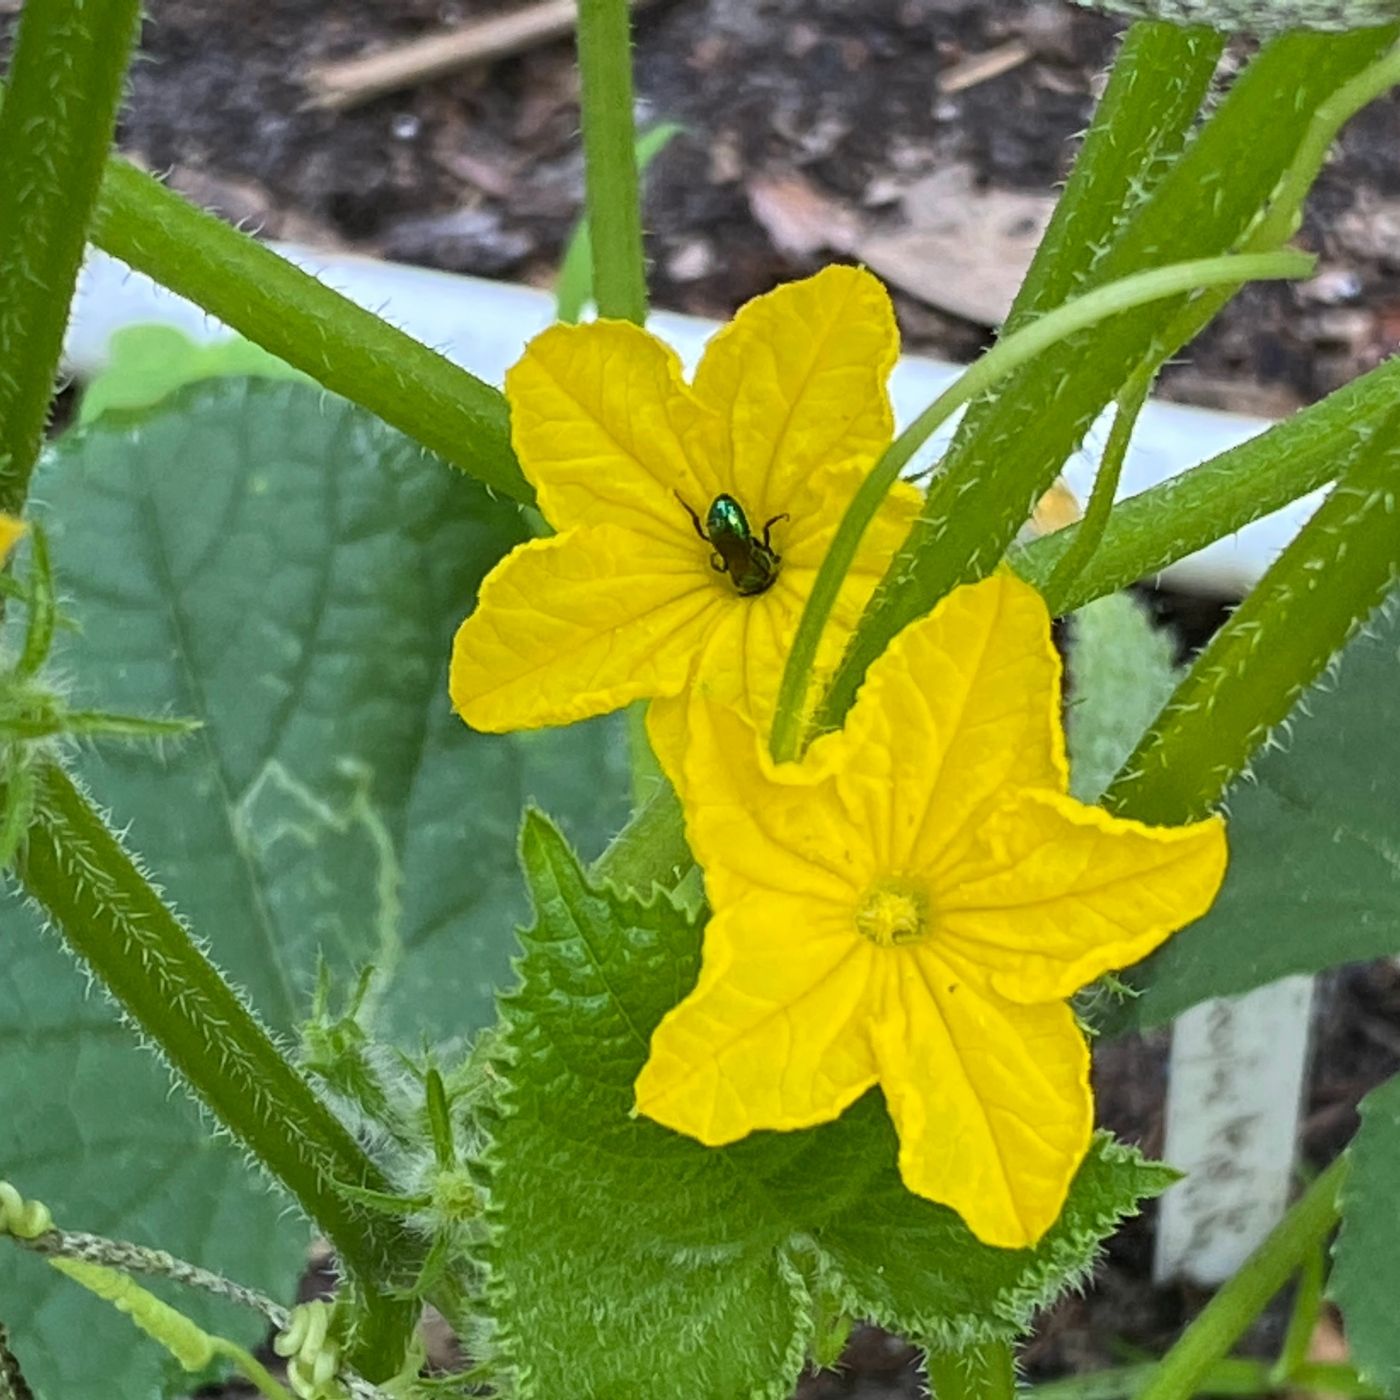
{"x":691,"y":517}
{"x":910,"y":906}
{"x":10,"y":532}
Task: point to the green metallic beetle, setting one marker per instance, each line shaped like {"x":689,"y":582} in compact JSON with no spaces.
{"x":751,"y":563}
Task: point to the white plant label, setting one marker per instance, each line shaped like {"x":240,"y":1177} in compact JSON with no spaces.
{"x":1236,"y":1079}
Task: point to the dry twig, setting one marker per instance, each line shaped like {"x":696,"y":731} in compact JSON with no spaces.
{"x":357,"y":80}
{"x":983,"y":67}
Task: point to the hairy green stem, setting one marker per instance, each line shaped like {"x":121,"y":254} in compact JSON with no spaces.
{"x":1229,"y":1314}
{"x":610,"y":156}
{"x":111,"y":918}
{"x":1100,"y":507}
{"x":1302,"y":1318}
{"x":1284,"y":212}
{"x":1164,"y":524}
{"x":287,"y":311}
{"x":156,"y":1263}
{"x":985,"y":1372}
{"x":614,"y":228}
{"x":1008,"y":449}
{"x":1155,"y":88}
{"x":56,"y":124}
{"x":1002,"y":360}
{"x":573,"y":288}
{"x":1298,"y":617}
{"x":1281,"y":221}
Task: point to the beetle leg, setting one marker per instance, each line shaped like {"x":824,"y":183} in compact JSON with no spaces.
{"x":717,"y":563}
{"x":694,"y":519}
{"x":768,"y":525}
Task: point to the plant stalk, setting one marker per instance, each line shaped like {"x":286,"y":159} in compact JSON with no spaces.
{"x":1008,"y":449}
{"x":1276,"y":644}
{"x":1004,"y":359}
{"x":1099,"y":510}
{"x":986,"y":1372}
{"x":1164,"y":524}
{"x":111,"y":918}
{"x":289,"y":312}
{"x":56,"y":124}
{"x":610,"y":159}
{"x":1158,"y":81}
{"x":1229,"y":1314}
{"x":614,"y":229}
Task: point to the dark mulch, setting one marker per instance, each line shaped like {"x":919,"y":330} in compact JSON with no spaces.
{"x":481,"y":172}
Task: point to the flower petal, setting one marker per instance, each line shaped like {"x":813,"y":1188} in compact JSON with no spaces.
{"x":739,"y":669}
{"x":607,"y":431}
{"x":991,"y":1099}
{"x":799,"y":375}
{"x":10,"y":532}
{"x":882,"y":538}
{"x":965,"y":703}
{"x":773,"y":1034}
{"x":578,"y":625}
{"x":1052,"y":893}
{"x":753,"y":824}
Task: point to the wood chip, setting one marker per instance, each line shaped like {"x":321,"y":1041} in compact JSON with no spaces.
{"x":963,"y":249}
{"x":358,"y":80}
{"x":983,"y":67}
{"x":799,"y":218}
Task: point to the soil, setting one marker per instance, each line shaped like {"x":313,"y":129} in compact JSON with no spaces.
{"x":802,"y":119}
{"x":838,"y":108}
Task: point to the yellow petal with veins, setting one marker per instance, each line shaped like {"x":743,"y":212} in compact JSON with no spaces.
{"x":608,"y":433}
{"x":991,"y":1099}
{"x":754,"y":825}
{"x":580,"y":624}
{"x":799,"y":376}
{"x":1053,"y":894}
{"x":964,"y":705}
{"x":772,"y":1036}
{"x":738,"y":669}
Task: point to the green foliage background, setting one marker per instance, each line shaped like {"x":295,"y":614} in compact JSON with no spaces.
{"x":283,"y":567}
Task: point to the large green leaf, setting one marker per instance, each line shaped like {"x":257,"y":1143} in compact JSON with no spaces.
{"x":1121,"y":674}
{"x":1366,"y":1274}
{"x":1314,"y":877}
{"x":282,"y":566}
{"x":629,"y":1261}
{"x":148,"y":363}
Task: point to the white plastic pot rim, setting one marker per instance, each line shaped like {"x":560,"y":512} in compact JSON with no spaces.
{"x":483,"y":326}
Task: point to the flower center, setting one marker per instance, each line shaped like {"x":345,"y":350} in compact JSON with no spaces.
{"x":893,"y":912}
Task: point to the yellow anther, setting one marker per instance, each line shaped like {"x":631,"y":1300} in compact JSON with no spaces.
{"x":893,"y":912}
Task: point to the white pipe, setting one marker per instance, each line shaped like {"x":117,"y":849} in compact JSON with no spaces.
{"x":483,"y":326}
